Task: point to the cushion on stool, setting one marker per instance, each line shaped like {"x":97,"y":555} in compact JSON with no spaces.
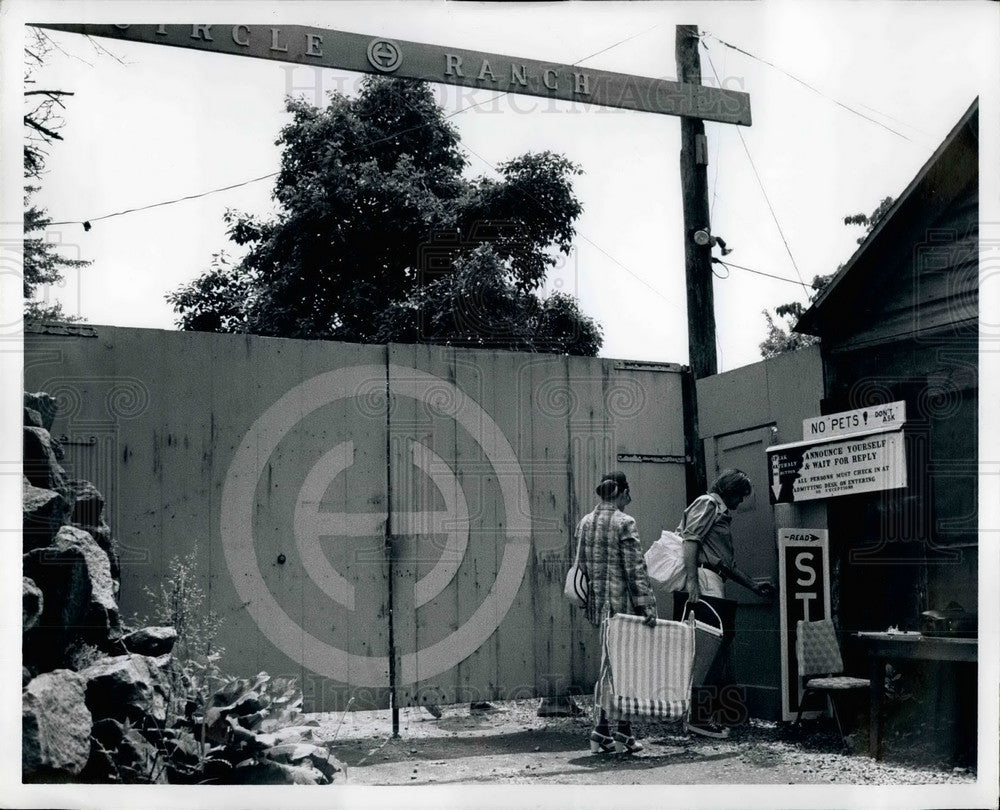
{"x":838,"y":682}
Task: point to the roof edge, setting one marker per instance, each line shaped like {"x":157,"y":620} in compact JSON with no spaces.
{"x":808,"y":323}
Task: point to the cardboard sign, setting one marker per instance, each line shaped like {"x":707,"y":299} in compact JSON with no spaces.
{"x":804,"y":589}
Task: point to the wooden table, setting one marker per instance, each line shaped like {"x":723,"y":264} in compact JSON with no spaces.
{"x":884,"y":647}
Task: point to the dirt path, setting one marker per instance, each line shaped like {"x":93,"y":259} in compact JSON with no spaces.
{"x":512,"y":745}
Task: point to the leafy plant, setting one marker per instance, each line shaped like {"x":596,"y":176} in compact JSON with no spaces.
{"x":179,"y":602}
{"x":82,"y":655}
{"x":218,"y":728}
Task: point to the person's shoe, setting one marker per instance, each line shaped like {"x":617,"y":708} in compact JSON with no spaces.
{"x":708,"y":730}
{"x":601,"y":743}
{"x":626,"y":743}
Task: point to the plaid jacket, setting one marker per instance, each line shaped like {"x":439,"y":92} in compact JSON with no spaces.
{"x":611,"y":556}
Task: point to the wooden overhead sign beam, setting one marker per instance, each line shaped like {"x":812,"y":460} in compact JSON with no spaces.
{"x":435,"y":63}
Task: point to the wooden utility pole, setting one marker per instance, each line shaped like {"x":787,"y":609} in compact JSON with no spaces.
{"x":697,"y":257}
{"x":694,"y":192}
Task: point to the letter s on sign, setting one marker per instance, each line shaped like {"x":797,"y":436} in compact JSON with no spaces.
{"x":800,"y":559}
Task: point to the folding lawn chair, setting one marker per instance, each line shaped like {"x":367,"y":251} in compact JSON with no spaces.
{"x":818,"y":653}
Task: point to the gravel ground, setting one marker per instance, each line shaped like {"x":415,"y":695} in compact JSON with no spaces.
{"x":513,"y":745}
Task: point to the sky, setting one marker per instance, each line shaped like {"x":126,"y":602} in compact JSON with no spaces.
{"x":149,"y":124}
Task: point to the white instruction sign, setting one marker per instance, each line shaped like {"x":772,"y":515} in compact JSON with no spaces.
{"x":805,"y":471}
{"x":886,"y":416}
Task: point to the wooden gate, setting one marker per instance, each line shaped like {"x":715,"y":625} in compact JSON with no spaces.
{"x":365,"y":517}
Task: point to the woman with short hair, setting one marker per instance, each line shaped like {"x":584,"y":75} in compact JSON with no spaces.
{"x":708,"y":563}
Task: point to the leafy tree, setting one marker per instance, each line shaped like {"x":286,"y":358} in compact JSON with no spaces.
{"x":379,"y":236}
{"x":42,"y":264}
{"x":476,"y":305}
{"x":869,"y":221}
{"x":781,"y":337}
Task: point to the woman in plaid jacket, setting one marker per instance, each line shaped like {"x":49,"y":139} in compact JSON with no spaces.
{"x":611,"y":556}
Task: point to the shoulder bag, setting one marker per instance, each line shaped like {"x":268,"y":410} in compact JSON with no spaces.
{"x":577,"y":585}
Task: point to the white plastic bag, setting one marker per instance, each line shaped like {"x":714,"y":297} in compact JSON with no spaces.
{"x":665,"y":561}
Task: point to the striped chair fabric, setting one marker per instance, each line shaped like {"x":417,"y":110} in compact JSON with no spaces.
{"x":645,"y":671}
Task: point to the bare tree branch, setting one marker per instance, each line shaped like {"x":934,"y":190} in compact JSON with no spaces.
{"x":101,"y":49}
{"x":48,"y":133}
{"x":52,"y":95}
{"x":44,"y":37}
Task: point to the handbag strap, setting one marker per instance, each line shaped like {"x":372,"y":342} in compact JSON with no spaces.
{"x":576,"y":559}
{"x":687,"y":608}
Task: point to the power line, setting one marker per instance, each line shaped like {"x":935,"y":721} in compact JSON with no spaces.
{"x":587,"y":239}
{"x":718,"y":149}
{"x":167,"y":202}
{"x":581,"y":236}
{"x":389,"y":137}
{"x":751,"y":270}
{"x":760,"y":183}
{"x":770,"y":207}
{"x":369,"y":144}
{"x":809,"y":86}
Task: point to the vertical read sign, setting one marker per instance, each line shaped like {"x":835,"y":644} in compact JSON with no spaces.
{"x":804,"y":582}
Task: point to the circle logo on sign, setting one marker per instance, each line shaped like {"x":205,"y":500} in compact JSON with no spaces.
{"x":238,"y":504}
{"x":384,"y":55}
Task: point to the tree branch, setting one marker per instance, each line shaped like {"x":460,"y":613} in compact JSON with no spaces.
{"x":44,"y":130}
{"x":101,"y":49}
{"x":52,"y":94}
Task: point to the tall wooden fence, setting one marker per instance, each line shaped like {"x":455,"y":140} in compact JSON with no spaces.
{"x":364,"y":516}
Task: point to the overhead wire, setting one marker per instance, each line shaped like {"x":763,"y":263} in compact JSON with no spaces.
{"x":396,"y":134}
{"x":488,"y":163}
{"x":583,"y":237}
{"x":728,"y":264}
{"x":760,"y":183}
{"x":166,"y":202}
{"x":807,"y":85}
{"x":370,"y":143}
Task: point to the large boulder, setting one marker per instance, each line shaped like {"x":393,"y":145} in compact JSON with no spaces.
{"x":105,"y":737}
{"x":44,"y":513}
{"x":88,"y":503}
{"x":102,"y":535}
{"x":121,"y":753}
{"x":44,"y":405}
{"x":31,"y":604}
{"x":55,"y":727}
{"x":152,"y":641}
{"x":128,"y":687}
{"x":41,"y":465}
{"x":74,"y":575}
{"x":33,"y":418}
